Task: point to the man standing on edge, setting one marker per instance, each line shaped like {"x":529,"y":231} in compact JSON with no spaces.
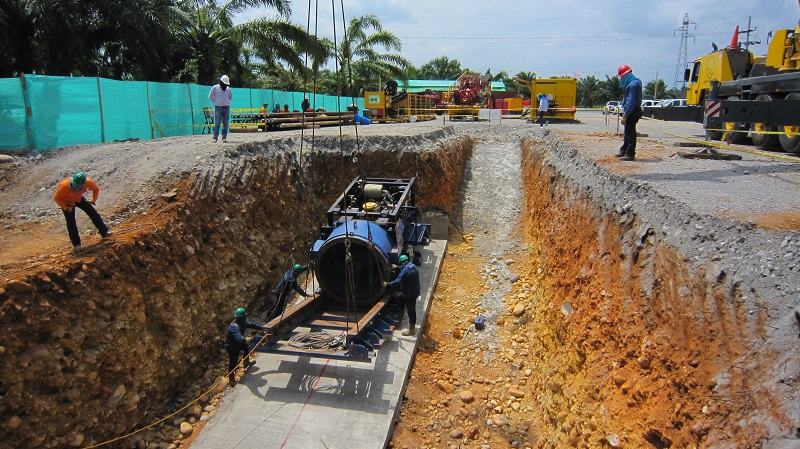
{"x":407,"y":281}
{"x":632,"y":111}
{"x":221,"y":96}
{"x":69,"y":195}
{"x":235,"y":341}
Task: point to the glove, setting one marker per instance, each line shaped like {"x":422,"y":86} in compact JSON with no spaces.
{"x":306,"y":295}
{"x":622,"y":120}
{"x":70,"y":208}
{"x":248,"y":340}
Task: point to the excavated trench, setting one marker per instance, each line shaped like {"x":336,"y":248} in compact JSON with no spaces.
{"x":639,"y":330}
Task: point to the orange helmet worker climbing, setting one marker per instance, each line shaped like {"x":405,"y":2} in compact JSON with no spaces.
{"x":624,"y":70}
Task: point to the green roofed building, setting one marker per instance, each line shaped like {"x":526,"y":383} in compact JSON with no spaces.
{"x":415,"y":86}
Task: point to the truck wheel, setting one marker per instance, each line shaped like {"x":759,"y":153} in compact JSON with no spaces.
{"x":737,"y":131}
{"x":790,"y":139}
{"x":764,"y":141}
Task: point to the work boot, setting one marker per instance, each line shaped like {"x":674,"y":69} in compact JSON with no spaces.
{"x":621,"y":153}
{"x":77,"y":248}
{"x":106,"y":235}
{"x":224,"y":140}
{"x":628,"y":158}
{"x":412,"y":330}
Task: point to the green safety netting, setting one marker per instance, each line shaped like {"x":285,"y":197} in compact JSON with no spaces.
{"x":12,"y":114}
{"x":63,"y":111}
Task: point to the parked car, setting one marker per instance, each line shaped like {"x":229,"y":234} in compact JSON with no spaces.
{"x":612,"y":107}
{"x":651,"y":103}
{"x":673,"y":102}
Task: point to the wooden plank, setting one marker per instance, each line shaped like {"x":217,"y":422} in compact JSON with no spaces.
{"x":369,"y":316}
{"x":719,"y":156}
{"x":293,"y":317}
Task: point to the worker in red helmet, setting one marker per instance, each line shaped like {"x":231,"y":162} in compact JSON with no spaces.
{"x":632,"y":111}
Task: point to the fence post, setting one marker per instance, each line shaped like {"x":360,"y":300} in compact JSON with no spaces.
{"x":150,"y":112}
{"x":102,"y":114}
{"x":28,"y":113}
{"x":191,"y":104}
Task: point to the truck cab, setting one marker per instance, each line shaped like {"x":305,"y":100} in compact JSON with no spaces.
{"x":722,"y":65}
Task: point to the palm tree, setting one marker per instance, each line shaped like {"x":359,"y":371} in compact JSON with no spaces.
{"x":522,"y":88}
{"x":611,"y":88}
{"x":361,"y":64}
{"x":589,"y":92}
{"x":216,"y":43}
{"x":441,"y":68}
{"x":140,"y":42}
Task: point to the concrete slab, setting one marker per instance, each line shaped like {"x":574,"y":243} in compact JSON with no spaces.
{"x":293,"y":402}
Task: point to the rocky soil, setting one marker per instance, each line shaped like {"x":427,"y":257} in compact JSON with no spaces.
{"x":627,"y":305}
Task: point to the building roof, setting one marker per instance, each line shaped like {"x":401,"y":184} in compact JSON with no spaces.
{"x":439,"y":85}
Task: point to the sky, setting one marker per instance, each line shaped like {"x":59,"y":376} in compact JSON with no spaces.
{"x":558,"y":37}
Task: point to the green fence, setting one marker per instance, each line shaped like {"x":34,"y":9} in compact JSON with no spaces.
{"x":43,"y":112}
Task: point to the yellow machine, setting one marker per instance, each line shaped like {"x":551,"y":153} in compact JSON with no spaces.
{"x":766,"y":87}
{"x":561,"y":94}
{"x":400,"y":107}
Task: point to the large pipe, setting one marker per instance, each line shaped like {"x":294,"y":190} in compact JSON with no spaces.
{"x":369,"y":247}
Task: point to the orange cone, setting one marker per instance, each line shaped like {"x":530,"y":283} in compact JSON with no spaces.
{"x":735,"y":39}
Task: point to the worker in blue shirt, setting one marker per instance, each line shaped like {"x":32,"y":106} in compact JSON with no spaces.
{"x":632,"y":107}
{"x":235,"y":341}
{"x":407,"y":281}
{"x":285,"y":286}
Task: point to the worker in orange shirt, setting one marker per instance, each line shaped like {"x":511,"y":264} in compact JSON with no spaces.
{"x":69,"y":195}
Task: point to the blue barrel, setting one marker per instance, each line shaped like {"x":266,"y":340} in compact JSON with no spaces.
{"x":370,"y":247}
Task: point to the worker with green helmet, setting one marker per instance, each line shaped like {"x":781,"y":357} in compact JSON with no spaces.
{"x":236,"y":343}
{"x":69,"y":195}
{"x":287,"y":283}
{"x":407,"y":281}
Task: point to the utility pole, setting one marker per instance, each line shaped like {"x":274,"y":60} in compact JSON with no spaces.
{"x":683,"y":51}
{"x":749,"y":30}
{"x":655,"y":88}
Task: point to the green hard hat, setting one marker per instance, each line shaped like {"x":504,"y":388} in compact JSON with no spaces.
{"x":240,"y":312}
{"x":297,"y":267}
{"x":402,"y":258}
{"x":79,"y":178}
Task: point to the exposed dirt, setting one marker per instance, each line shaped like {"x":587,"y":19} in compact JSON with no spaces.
{"x":626,"y":305}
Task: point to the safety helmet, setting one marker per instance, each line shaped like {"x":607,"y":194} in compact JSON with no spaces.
{"x":297,"y":267}
{"x":225,"y":79}
{"x":240,"y":312}
{"x":79,"y":178}
{"x":624,"y":70}
{"x":402,"y":258}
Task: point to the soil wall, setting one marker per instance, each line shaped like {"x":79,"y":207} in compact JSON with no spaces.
{"x":654,"y":327}
{"x":110,"y":340}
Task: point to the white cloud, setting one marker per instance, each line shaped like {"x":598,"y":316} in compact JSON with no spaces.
{"x":559,"y":37}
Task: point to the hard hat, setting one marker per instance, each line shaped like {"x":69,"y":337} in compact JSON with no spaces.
{"x":623,"y":70}
{"x":402,"y":258}
{"x":225,"y":79}
{"x":79,"y":178}
{"x":297,"y":267}
{"x":240,"y":312}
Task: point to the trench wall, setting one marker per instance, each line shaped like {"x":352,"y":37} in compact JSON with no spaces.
{"x":656,"y":327}
{"x":109,"y":344}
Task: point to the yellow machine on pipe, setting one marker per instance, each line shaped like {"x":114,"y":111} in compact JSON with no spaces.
{"x":401,"y":107}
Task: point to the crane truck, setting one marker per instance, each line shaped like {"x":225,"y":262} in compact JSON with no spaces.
{"x":742,"y":94}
